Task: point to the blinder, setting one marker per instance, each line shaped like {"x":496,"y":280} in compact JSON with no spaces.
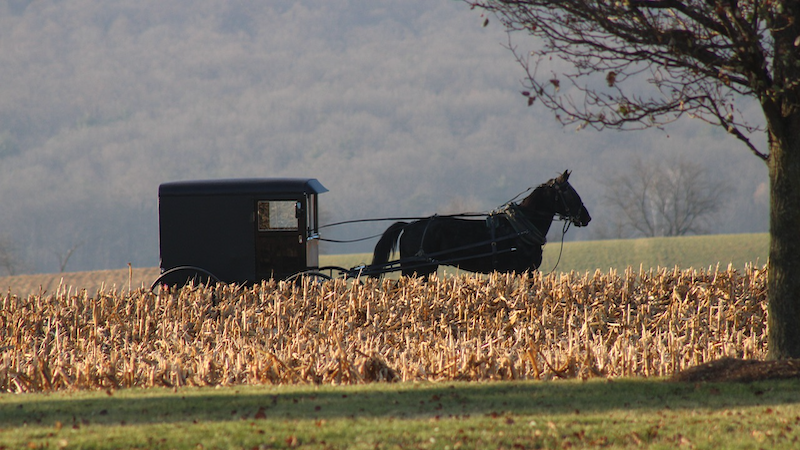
{"x":565,"y":194}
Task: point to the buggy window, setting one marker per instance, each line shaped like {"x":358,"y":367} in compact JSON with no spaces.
{"x":277,"y":215}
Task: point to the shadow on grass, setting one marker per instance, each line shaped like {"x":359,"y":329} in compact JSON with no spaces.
{"x":403,"y":400}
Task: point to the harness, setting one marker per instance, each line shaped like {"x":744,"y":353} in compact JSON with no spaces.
{"x":524,"y":229}
{"x":421,"y":253}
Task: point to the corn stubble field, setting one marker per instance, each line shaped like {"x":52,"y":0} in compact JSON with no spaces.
{"x":533,"y":326}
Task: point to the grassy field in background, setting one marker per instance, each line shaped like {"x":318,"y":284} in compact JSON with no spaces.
{"x":699,"y":252}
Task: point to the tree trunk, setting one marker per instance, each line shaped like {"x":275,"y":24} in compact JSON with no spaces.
{"x":784,"y":253}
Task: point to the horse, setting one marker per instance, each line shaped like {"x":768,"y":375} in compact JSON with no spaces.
{"x":510,"y":239}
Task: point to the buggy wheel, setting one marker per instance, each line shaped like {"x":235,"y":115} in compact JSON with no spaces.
{"x":313,"y":277}
{"x":183,"y":275}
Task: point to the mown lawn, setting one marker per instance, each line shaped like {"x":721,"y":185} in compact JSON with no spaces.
{"x":616,"y":414}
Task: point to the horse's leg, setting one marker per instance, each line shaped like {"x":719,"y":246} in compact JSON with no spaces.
{"x":412,"y":259}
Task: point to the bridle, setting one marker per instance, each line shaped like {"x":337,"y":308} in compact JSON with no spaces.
{"x":568,"y":216}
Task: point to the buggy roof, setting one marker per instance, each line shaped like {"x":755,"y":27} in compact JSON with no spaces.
{"x":242,"y":186}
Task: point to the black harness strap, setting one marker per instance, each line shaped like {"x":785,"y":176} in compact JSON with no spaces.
{"x":492,"y":227}
{"x":421,"y":251}
{"x":526,"y":230}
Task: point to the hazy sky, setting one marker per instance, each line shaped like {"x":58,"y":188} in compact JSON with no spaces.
{"x":399,"y":108}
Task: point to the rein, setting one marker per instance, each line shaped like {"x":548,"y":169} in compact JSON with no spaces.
{"x":395,"y":219}
{"x":384,"y":219}
{"x":564,"y":229}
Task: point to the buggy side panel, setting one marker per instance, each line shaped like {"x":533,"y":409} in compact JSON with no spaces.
{"x":213,"y":232}
{"x":238,"y":230}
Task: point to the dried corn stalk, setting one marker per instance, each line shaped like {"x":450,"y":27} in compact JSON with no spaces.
{"x":636,"y":323}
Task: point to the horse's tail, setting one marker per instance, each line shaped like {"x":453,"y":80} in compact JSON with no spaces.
{"x":386,"y":245}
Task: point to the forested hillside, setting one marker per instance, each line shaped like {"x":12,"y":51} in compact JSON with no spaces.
{"x":399,"y":108}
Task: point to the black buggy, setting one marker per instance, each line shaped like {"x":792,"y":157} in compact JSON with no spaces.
{"x":244,"y":231}
{"x":237,"y":230}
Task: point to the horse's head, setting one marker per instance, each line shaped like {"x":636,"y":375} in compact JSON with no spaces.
{"x":564,"y":200}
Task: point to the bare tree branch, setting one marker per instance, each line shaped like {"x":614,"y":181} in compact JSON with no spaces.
{"x":665,"y":198}
{"x":701,"y":58}
{"x":63,"y":257}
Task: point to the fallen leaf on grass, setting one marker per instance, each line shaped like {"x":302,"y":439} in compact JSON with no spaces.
{"x":261,"y":413}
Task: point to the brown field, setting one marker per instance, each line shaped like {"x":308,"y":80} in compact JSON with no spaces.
{"x":73,"y":282}
{"x":633,"y":323}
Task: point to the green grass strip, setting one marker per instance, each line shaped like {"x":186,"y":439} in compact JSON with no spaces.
{"x":618,"y":414}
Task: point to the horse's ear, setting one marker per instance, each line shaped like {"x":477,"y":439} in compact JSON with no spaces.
{"x":564,"y":176}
